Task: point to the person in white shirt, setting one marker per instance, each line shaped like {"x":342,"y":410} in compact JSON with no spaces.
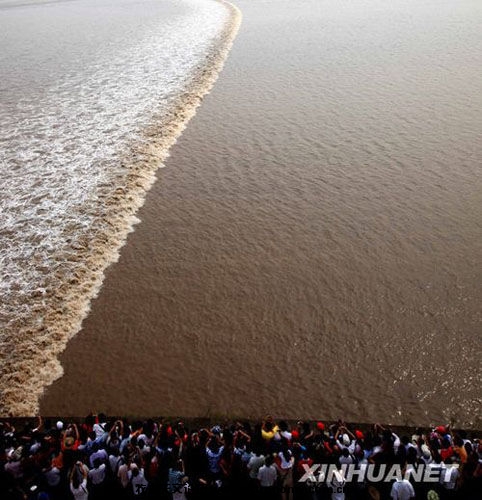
{"x":285,"y":470}
{"x":337,"y":485}
{"x":267,"y":476}
{"x":78,"y":482}
{"x":283,"y":432}
{"x":97,"y":474}
{"x":255,"y":463}
{"x":52,"y":476}
{"x":396,"y":442}
{"x":402,"y":490}
{"x":346,"y":458}
{"x":98,"y":454}
{"x":99,"y":428}
{"x":450,"y":482}
{"x":138,"y":481}
{"x":347,"y":440}
{"x":405,"y":442}
{"x":97,"y":482}
{"x":115,"y":460}
{"x":123,"y":472}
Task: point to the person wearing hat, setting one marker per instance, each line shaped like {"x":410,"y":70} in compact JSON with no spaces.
{"x":320,"y":426}
{"x":359,"y":435}
{"x":347,"y":439}
{"x":71,"y":439}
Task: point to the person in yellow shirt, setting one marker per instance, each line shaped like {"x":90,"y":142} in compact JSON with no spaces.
{"x":269,"y":429}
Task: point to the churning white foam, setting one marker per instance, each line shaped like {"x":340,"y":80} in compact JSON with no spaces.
{"x":93,"y":93}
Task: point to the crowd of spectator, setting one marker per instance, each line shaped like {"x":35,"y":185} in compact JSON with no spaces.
{"x":103,"y":458}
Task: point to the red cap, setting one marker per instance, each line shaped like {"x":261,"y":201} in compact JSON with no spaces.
{"x":359,"y":434}
{"x":295,"y":434}
{"x":440,"y":429}
{"x":320,"y":426}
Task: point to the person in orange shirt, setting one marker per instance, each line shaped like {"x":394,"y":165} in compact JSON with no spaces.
{"x":459,"y":449}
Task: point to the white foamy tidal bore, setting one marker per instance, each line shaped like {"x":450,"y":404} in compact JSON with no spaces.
{"x":81,"y":81}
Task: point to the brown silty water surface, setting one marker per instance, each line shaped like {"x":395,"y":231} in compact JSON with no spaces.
{"x":85,"y":123}
{"x":313,"y":247}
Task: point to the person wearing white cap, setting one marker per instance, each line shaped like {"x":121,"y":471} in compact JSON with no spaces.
{"x":60,"y":425}
{"x":347,"y":440}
